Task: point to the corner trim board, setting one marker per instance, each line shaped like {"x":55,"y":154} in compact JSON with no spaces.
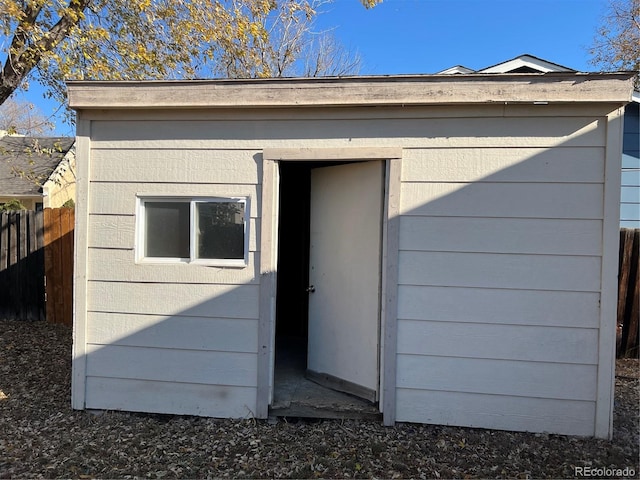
{"x":79,"y":361}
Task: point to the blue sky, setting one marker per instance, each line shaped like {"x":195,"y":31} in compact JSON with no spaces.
{"x":427,"y":36}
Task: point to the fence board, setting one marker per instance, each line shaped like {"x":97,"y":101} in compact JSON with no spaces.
{"x":4,"y":252}
{"x":67,"y":262}
{"x":23,"y":273}
{"x":628,"y":292}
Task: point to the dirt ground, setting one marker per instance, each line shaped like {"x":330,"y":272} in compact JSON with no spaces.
{"x":41,"y":437}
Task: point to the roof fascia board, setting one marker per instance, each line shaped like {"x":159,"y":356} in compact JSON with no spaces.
{"x":354,"y":91}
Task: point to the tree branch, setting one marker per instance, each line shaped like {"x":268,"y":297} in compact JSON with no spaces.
{"x":22,"y":57}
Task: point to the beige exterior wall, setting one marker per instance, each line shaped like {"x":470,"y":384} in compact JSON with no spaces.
{"x":500,"y":275}
{"x":168,"y":338}
{"x":61,"y":186}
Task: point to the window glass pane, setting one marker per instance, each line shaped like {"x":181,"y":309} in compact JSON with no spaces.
{"x":167,"y":229}
{"x":220,"y":230}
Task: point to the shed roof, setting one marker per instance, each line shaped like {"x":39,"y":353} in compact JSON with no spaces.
{"x":462,"y":89}
{"x":37,"y":156}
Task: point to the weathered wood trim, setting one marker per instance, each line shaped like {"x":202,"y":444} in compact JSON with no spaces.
{"x":390,"y":292}
{"x":83,"y":166}
{"x":383,"y":90}
{"x":609,"y":276}
{"x":328,"y":154}
{"x":268,"y":258}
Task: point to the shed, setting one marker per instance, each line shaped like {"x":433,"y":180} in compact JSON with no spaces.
{"x":443,"y":247}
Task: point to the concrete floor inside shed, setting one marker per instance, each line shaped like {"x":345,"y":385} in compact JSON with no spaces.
{"x":297,"y":396}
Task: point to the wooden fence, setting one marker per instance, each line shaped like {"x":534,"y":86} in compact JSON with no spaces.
{"x":628,"y":292}
{"x":22,"y":293}
{"x":36,"y":265}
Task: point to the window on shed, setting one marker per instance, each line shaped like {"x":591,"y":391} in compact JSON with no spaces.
{"x":220,"y":230}
{"x":167,"y":229}
{"x":210,"y":231}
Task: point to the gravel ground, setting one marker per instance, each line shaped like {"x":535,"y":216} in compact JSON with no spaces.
{"x":41,"y":437}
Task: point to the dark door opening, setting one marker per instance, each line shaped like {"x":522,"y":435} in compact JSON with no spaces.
{"x":294,"y":393}
{"x":292,"y":306}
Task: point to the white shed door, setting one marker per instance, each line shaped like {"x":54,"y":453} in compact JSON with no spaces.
{"x":344,"y":276}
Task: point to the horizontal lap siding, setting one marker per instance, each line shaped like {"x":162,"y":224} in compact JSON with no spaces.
{"x":630,"y":191}
{"x":170,"y":338}
{"x":201,"y":166}
{"x":196,"y":300}
{"x":500,"y":306}
{"x":174,"y":331}
{"x":366,"y":132}
{"x":489,"y":270}
{"x":501,"y":235}
{"x":498,"y":341}
{"x":173,"y":365}
{"x":499,"y":280}
{"x":525,"y":200}
{"x":497,"y":377}
{"x":168,"y":397}
{"x":496,"y":411}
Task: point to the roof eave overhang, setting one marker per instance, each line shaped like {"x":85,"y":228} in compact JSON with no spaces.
{"x":407,"y":90}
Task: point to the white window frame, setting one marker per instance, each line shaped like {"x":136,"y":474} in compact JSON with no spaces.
{"x":141,"y":200}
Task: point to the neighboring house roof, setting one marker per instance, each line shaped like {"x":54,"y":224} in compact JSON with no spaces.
{"x":457,"y":69}
{"x":524,"y":63}
{"x":37,"y":157}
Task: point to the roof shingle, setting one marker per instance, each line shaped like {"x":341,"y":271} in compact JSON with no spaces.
{"x":36,"y":156}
